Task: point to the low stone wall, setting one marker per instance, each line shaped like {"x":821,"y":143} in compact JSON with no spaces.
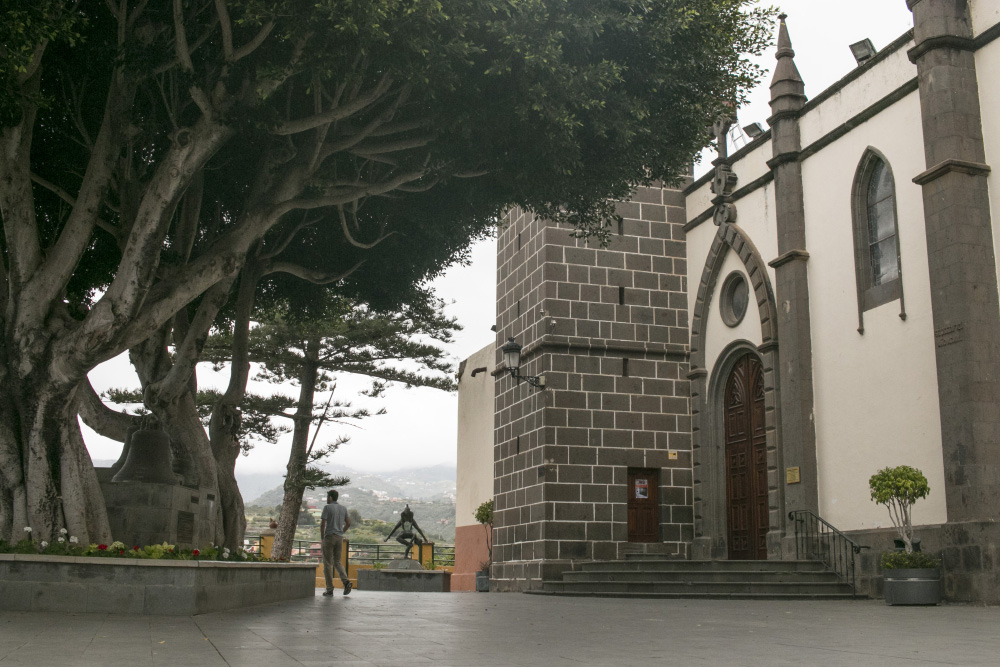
{"x":162,"y":587}
{"x":406,"y":581}
{"x":970,"y":555}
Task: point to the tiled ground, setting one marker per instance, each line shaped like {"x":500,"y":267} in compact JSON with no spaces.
{"x":512,"y":630}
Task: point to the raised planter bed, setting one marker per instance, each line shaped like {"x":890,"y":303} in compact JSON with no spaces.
{"x":162,"y":587}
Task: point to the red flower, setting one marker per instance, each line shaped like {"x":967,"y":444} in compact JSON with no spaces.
{"x":121,"y":551}
{"x":102,"y":547}
{"x":195,"y":553}
{"x":135,"y":548}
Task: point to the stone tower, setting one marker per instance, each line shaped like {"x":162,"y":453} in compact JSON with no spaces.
{"x":598,"y":462}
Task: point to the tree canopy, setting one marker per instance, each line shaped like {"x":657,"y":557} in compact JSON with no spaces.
{"x":150,"y":152}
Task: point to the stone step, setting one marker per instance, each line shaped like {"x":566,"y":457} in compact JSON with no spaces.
{"x":702,"y":596}
{"x":657,"y":576}
{"x":666,"y":565}
{"x":703,"y":588}
{"x":804,"y":576}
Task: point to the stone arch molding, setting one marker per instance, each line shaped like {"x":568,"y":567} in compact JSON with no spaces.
{"x":706,"y":399}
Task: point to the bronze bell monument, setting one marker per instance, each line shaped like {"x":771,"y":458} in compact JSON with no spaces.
{"x":148,"y":458}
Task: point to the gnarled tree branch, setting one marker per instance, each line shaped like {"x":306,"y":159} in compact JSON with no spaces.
{"x":100,"y":417}
{"x":338,"y":112}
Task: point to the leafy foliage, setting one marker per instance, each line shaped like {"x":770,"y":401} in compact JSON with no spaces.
{"x":484,"y":513}
{"x":898,"y":560}
{"x":901,"y":484}
{"x":898,"y":489}
{"x":164,"y":551}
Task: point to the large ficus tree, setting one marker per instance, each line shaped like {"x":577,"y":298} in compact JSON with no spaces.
{"x":151,"y":152}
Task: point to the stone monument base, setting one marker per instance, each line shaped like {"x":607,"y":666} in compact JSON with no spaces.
{"x":405,"y":581}
{"x":404,"y":564}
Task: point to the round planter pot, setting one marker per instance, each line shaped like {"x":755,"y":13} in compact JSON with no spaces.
{"x":912,"y":586}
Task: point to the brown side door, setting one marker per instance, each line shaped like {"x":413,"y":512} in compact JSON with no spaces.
{"x":746,"y":461}
{"x":643,"y":505}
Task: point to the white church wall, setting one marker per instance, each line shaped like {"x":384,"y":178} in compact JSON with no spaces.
{"x":753,"y":165}
{"x":697,"y":202}
{"x":857,"y":95}
{"x":756,"y":218}
{"x":988,"y":74}
{"x":985,"y":14}
{"x":475,"y":436}
{"x":876,"y":401}
{"x":717,"y":333}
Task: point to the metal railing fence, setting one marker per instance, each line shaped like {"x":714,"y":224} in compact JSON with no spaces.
{"x":360,"y":553}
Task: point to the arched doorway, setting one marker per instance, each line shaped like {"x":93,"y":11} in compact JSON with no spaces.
{"x":746,"y":460}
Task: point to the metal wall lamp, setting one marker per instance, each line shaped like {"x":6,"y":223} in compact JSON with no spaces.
{"x":512,"y":361}
{"x":863,"y":51}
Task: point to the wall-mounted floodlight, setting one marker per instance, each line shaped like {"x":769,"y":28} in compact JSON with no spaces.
{"x":863,"y":51}
{"x":512,"y":361}
{"x":753,"y":130}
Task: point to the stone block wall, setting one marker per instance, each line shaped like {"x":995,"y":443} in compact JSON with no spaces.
{"x":969,"y":553}
{"x":608,"y":329}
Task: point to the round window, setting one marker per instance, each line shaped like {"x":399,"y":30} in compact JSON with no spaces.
{"x":735,"y":298}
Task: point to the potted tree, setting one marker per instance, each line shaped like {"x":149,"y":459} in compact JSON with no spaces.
{"x":484,"y":515}
{"x":908,"y":575}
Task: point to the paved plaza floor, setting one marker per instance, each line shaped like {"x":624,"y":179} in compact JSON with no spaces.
{"x":511,"y":629}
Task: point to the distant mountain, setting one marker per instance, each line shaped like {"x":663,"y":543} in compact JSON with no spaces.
{"x":257,"y":483}
{"x":430,"y":492}
{"x":429,"y":483}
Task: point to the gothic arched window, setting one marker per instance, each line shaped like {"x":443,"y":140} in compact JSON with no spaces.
{"x":876,"y":236}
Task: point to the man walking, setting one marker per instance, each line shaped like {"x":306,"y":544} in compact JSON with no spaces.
{"x":332,"y":526}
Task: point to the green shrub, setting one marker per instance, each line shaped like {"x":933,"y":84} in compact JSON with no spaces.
{"x":66,"y":545}
{"x":484,"y":513}
{"x":898,"y":488}
{"x":899,"y":560}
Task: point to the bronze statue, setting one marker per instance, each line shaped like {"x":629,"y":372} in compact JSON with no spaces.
{"x":407,"y":538}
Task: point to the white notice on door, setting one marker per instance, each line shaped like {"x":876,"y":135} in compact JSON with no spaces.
{"x":641,"y":488}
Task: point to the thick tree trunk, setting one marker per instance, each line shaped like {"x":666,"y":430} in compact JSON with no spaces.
{"x":13,"y":493}
{"x":179,"y":417}
{"x":226,"y":448}
{"x":59,"y":487}
{"x":298,"y":456}
{"x":226,"y":415}
{"x":181,"y":422}
{"x":291,"y":504}
{"x":84,"y":510}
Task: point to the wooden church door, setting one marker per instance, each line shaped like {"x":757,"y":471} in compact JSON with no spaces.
{"x":746,"y":461}
{"x":643,"y":505}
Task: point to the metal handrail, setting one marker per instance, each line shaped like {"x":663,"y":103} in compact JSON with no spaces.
{"x":816,"y":538}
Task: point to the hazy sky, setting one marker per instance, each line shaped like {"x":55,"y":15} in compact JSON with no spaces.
{"x":420,"y":426}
